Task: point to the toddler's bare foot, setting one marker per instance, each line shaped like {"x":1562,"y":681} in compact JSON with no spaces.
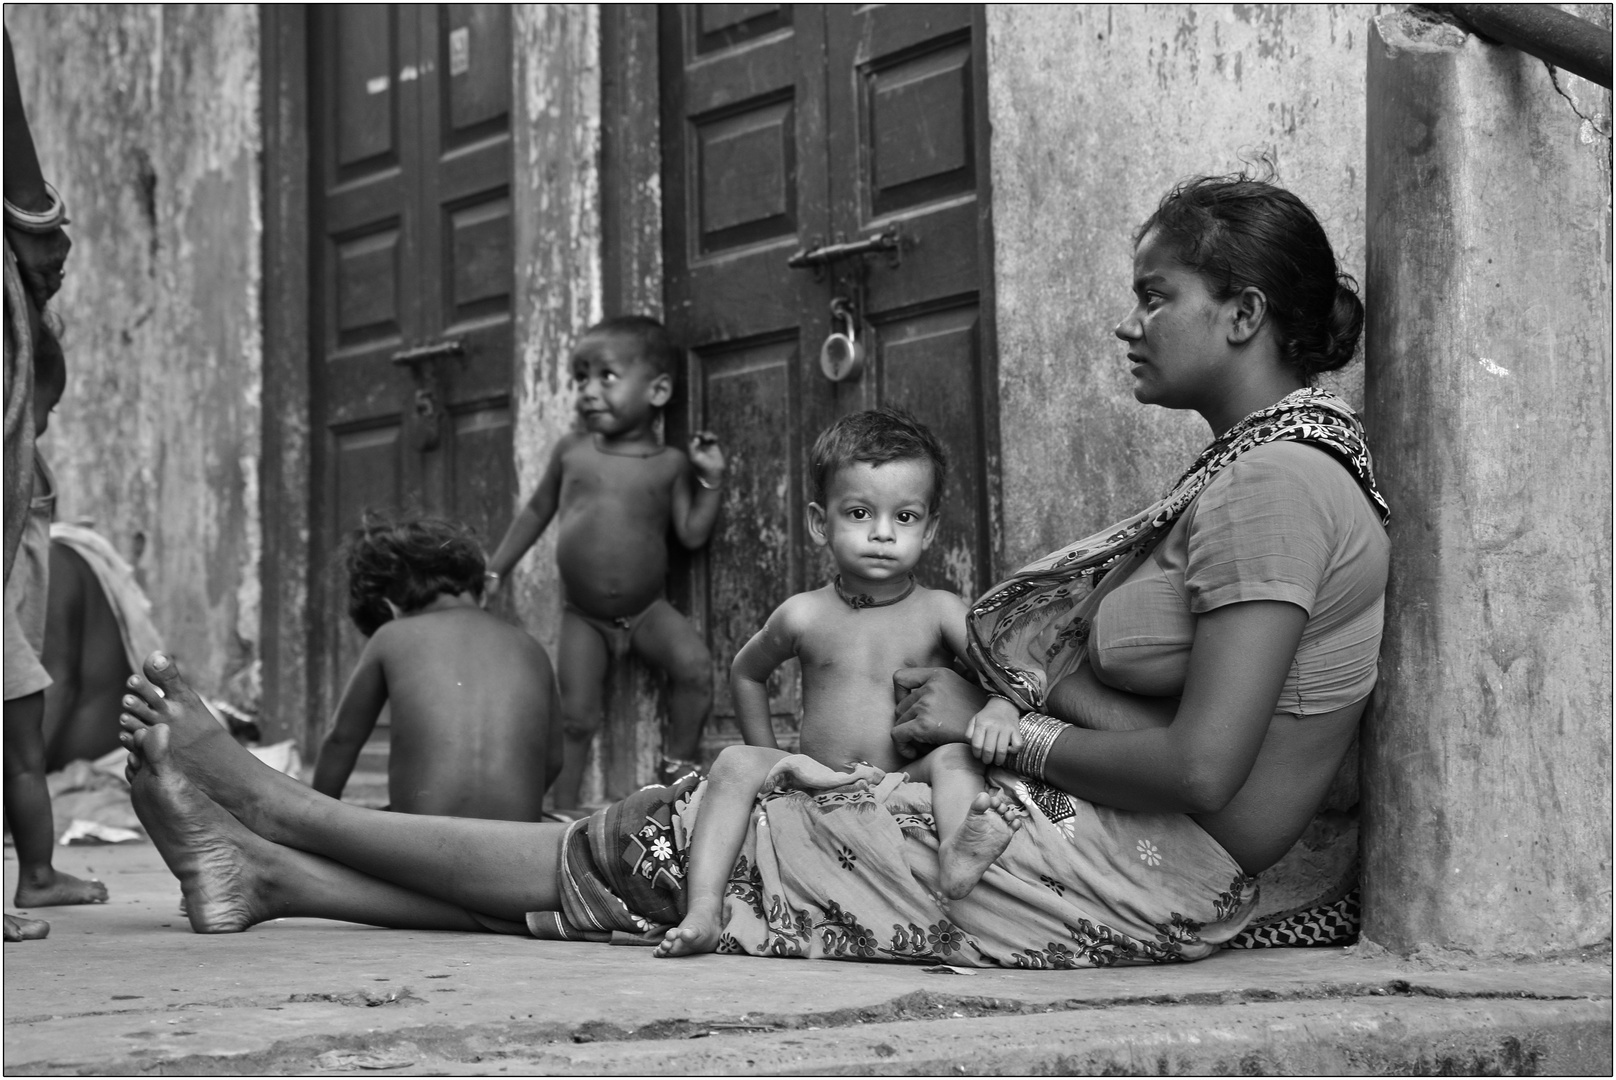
{"x":216,"y":859}
{"x":981,"y":838}
{"x":804,"y":773}
{"x":18,"y":929}
{"x":52,"y":888}
{"x":691,"y":937}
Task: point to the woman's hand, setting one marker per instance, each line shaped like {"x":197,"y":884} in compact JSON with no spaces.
{"x":935,"y":706}
{"x":994,"y":732}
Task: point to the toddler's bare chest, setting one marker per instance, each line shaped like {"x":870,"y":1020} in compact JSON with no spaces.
{"x":843,"y":649}
{"x":590,"y":478}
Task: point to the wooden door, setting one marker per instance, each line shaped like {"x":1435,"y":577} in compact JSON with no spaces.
{"x":786,"y":127}
{"x":411,"y":349}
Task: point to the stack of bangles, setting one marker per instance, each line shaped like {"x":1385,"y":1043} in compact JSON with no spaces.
{"x":1036,"y":733}
{"x":37,"y":221}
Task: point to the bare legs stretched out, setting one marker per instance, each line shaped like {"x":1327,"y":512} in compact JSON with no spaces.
{"x":249,"y":843}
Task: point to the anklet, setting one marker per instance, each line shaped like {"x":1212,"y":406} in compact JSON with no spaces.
{"x":858,"y":600}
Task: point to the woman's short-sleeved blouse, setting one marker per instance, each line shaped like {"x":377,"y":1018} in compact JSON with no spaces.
{"x":1285,"y":521}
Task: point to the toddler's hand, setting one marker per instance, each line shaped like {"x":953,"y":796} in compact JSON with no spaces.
{"x":994,"y":736}
{"x":707,"y":457}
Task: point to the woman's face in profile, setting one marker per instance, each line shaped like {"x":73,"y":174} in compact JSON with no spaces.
{"x":1175,"y":334}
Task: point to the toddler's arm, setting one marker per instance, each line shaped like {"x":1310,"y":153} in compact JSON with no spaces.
{"x":749,"y":675}
{"x":356,"y":715}
{"x":530,"y":522}
{"x":695,"y":498}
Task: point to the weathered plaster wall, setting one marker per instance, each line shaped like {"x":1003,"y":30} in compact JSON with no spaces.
{"x":1096,"y":112}
{"x":146,"y":118}
{"x":1487,"y":810}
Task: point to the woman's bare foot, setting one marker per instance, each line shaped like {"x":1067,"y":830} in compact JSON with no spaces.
{"x":982,"y":837}
{"x":49,"y":887}
{"x":693,"y":936}
{"x":216,"y":859}
{"x":18,"y":929}
{"x":198,"y":744}
{"x":803,"y":773}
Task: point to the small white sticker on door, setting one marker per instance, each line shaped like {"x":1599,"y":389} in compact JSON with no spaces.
{"x":460,"y":51}
{"x":378,"y":85}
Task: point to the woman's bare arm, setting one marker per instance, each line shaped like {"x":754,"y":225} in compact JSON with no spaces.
{"x":1195,"y":764}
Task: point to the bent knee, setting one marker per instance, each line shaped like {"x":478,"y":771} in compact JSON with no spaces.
{"x":580,"y":724}
{"x":740,"y":760}
{"x":693,"y":672}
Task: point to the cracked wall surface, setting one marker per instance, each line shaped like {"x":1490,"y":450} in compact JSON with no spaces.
{"x":146,"y":119}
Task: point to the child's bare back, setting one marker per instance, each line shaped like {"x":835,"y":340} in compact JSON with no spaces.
{"x":471,"y":705}
{"x":472,"y":698}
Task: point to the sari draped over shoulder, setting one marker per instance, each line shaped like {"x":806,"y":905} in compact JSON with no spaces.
{"x":1030,"y":630}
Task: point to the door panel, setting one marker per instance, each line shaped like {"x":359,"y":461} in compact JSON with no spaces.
{"x":410,"y":131}
{"x":785,"y":127}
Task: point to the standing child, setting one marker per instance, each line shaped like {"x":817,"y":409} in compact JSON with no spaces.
{"x":615,"y":489}
{"x":878,"y":480}
{"x":471,"y":696}
{"x":27,"y":799}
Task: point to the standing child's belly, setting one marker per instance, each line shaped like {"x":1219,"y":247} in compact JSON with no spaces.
{"x":612,"y":561}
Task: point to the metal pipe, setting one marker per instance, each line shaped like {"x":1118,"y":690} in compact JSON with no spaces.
{"x":1544,"y":31}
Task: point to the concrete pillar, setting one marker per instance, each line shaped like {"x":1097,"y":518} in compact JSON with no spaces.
{"x":1487,"y":782}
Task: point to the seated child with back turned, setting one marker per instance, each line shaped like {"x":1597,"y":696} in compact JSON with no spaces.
{"x":878,"y":480}
{"x":472,"y":697}
{"x":615,"y":489}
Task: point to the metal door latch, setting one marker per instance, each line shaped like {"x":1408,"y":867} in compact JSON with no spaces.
{"x":888,"y":240}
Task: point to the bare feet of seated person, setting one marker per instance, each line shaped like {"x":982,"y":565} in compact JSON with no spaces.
{"x":987,"y":830}
{"x":19,"y":929}
{"x":213,"y":855}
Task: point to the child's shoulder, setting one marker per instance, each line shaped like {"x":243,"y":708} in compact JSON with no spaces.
{"x":944,"y":601}
{"x":804,"y":608}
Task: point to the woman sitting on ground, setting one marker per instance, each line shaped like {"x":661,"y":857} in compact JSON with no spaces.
{"x":1171,"y":726}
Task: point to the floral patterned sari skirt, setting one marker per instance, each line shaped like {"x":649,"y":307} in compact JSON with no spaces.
{"x":842,"y":876}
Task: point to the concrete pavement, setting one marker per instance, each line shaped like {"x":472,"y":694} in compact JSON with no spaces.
{"x":125,"y":988}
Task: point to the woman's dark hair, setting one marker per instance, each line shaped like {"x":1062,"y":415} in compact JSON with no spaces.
{"x":410,"y":562}
{"x":876,"y":437}
{"x":1238,"y":232}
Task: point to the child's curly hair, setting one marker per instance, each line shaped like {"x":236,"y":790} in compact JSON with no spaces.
{"x":409,"y":562}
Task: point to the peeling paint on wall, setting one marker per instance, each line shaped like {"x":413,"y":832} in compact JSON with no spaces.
{"x":146,"y":119}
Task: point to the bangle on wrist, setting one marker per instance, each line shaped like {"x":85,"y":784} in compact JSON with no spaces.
{"x":495,"y":574}
{"x":703,"y":482}
{"x":50,"y":219}
{"x":1037,"y":734}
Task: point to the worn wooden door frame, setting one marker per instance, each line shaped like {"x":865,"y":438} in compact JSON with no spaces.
{"x":286,"y":481}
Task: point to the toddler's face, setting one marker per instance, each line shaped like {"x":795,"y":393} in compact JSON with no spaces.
{"x":617,"y":390}
{"x":876,"y":519}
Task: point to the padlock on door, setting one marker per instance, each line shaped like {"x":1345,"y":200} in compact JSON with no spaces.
{"x":841,"y":358}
